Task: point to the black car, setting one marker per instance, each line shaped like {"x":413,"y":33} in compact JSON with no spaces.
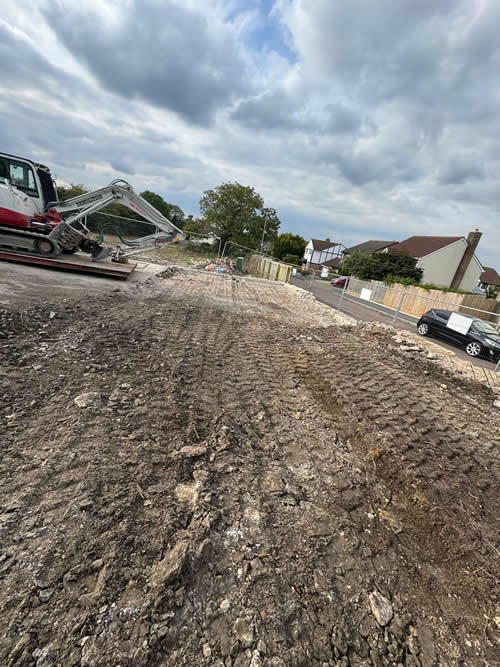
{"x":481,"y":339}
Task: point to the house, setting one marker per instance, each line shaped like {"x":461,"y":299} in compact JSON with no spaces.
{"x":488,"y":277}
{"x":370,"y":246}
{"x":447,"y":261}
{"x":323,"y":253}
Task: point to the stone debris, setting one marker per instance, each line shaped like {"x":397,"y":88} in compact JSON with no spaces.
{"x":170,"y":567}
{"x":381,"y":608}
{"x":91,"y":399}
{"x":256,"y":467}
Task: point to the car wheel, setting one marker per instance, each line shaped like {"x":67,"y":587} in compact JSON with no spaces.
{"x":423,"y":329}
{"x":473,"y":349}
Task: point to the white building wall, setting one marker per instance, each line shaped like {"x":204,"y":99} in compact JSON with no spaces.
{"x":440,"y":266}
{"x":308,"y":252}
{"x":471,"y":276}
{"x":317,"y":256}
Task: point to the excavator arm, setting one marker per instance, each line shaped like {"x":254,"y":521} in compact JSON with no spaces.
{"x":72,"y":233}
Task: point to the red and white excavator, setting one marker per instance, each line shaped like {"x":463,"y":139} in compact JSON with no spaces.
{"x":30,"y":215}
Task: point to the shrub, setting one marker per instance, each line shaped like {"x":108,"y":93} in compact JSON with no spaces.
{"x":390,"y":280}
{"x":376,"y":266}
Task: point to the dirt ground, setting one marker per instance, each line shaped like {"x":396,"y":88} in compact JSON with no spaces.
{"x":249,"y":484}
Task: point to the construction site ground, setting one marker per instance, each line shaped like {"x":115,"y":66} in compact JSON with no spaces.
{"x":207,"y":470}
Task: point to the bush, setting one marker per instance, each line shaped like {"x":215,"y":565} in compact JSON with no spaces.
{"x":291,"y":259}
{"x":376,"y":266}
{"x":389,"y":280}
{"x":202,"y":248}
{"x":492,"y":291}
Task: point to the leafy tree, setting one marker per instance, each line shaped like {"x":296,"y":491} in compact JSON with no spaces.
{"x":236,"y":212}
{"x":171,"y":211}
{"x":195,"y":225}
{"x":376,"y":266}
{"x":289,"y":244}
{"x":72,"y":190}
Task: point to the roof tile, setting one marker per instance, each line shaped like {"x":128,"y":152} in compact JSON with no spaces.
{"x":420,"y":246}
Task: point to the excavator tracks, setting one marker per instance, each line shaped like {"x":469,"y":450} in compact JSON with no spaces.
{"x":31,"y":244}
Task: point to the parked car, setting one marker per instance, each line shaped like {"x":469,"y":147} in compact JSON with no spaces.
{"x":341,"y":281}
{"x":481,"y":339}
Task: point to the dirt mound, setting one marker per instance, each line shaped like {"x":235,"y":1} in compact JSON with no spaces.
{"x":205,"y":474}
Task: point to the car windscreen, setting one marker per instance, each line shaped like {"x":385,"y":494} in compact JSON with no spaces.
{"x":484,"y":327}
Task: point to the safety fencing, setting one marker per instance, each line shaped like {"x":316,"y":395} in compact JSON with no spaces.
{"x":414,"y":301}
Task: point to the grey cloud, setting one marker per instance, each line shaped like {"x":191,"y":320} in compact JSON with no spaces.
{"x":122,"y":166}
{"x":282,"y":112}
{"x":24,"y":67}
{"x":459,"y":169}
{"x":158,"y":52}
{"x":271,"y":111}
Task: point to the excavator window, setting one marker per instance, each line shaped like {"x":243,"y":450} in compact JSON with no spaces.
{"x":21,"y":175}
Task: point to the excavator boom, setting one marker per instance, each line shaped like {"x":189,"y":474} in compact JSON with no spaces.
{"x":72,"y":232}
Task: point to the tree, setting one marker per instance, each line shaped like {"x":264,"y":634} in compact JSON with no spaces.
{"x":289,"y":244}
{"x":376,"y":266}
{"x":236,"y":212}
{"x":68,"y":191}
{"x":171,"y":211}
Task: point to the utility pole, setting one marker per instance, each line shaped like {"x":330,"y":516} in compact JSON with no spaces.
{"x":263,"y":234}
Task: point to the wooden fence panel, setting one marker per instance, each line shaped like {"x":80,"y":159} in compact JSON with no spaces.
{"x":418,"y":300}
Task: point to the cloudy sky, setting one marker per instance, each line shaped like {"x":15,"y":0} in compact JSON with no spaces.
{"x":367,"y":119}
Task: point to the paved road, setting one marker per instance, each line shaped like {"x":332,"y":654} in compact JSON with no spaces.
{"x":358,"y":309}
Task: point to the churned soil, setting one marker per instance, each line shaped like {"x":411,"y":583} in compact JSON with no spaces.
{"x":214,"y":471}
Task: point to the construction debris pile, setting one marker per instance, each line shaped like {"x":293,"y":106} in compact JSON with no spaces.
{"x":207,"y":472}
{"x":221,"y":266}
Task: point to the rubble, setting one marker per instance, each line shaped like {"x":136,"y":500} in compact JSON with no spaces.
{"x":264,"y":483}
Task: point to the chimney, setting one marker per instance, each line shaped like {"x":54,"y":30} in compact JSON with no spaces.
{"x":472,"y":241}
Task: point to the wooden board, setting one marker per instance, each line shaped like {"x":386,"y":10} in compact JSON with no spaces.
{"x":77,"y":262}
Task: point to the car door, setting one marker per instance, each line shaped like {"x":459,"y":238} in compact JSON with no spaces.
{"x":439,"y":321}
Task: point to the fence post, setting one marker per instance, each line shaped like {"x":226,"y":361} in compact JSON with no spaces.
{"x":399,"y":309}
{"x":342,"y":295}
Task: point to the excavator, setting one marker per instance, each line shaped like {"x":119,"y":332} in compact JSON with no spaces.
{"x":31,"y":223}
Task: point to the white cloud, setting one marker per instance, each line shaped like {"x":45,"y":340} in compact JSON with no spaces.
{"x":361,"y":120}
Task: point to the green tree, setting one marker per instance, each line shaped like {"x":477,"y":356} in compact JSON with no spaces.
{"x":236,"y":212}
{"x":195,"y":225}
{"x":171,"y":211}
{"x":68,"y":191}
{"x":289,"y":244}
{"x":376,"y":266}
